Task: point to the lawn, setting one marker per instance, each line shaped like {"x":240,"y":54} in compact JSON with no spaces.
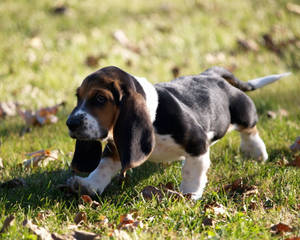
{"x":48,"y":47}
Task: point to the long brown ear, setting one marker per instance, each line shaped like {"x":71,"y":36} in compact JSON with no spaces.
{"x":87,"y":156}
{"x":133,"y":131}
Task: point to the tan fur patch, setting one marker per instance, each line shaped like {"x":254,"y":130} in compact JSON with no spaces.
{"x":111,"y":151}
{"x":250,"y":131}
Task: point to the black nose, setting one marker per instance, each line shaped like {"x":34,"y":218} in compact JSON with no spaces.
{"x":74,"y":122}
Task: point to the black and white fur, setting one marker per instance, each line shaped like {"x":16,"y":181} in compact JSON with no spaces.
{"x":189,"y":114}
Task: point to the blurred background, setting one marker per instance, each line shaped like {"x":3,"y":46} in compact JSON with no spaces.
{"x":48,"y":47}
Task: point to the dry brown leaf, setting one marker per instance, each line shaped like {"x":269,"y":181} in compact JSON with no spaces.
{"x":216,"y":208}
{"x":121,"y":37}
{"x":280,"y":228}
{"x":80,"y":217}
{"x":41,"y":232}
{"x":59,"y":9}
{"x":296,"y":145}
{"x":56,"y":236}
{"x":7,"y":223}
{"x":149,"y":192}
{"x":41,"y":156}
{"x":8,"y":109}
{"x":271,"y":114}
{"x":87,"y":199}
{"x":16,"y":182}
{"x":248,"y":45}
{"x":271,"y":45}
{"x":92,"y":61}
{"x":175,"y":71}
{"x":238,"y":187}
{"x":42,"y":116}
{"x":295,"y":163}
{"x":207,"y":221}
{"x":82,"y":235}
{"x":294,"y":8}
{"x":293,"y":238}
{"x":129,"y":221}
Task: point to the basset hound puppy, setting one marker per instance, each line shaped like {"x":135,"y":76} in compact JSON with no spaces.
{"x":164,"y":122}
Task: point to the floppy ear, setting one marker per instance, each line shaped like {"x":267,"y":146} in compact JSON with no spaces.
{"x":133,"y":131}
{"x":87,"y":156}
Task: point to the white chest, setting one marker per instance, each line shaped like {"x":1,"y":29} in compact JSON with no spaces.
{"x":166,"y":150}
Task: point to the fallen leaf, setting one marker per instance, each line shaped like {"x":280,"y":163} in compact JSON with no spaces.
{"x":175,"y":71}
{"x":207,"y":221}
{"x":7,"y":223}
{"x":87,"y":199}
{"x":280,"y":228}
{"x":149,"y":192}
{"x":41,"y":232}
{"x":296,"y":145}
{"x":56,"y":236}
{"x":294,"y":8}
{"x":216,"y":208}
{"x":16,"y":182}
{"x":92,"y":61}
{"x":40,"y":117}
{"x":271,"y":114}
{"x":295,"y":163}
{"x":129,"y":221}
{"x":248,"y":45}
{"x":82,"y":235}
{"x":8,"y":109}
{"x":270,"y":44}
{"x":59,"y":9}
{"x":238,"y":187}
{"x":283,"y":113}
{"x":126,"y":219}
{"x":41,"y":156}
{"x":293,"y":238}
{"x":80,"y":217}
{"x":121,"y":37}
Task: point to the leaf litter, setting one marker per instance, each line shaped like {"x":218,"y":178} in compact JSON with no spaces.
{"x":42,"y":116}
{"x":40,"y":157}
{"x":7,"y":223}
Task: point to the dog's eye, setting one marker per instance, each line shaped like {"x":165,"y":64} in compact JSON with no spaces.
{"x":100,"y":99}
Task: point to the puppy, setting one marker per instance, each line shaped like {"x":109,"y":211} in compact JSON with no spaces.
{"x":164,"y":122}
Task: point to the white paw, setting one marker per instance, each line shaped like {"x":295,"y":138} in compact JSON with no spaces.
{"x":254,"y":147}
{"x":84,"y":186}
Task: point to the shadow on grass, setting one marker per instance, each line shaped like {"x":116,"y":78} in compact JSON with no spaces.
{"x":41,"y":190}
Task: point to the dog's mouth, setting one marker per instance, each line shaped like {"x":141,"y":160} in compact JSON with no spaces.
{"x":82,"y":136}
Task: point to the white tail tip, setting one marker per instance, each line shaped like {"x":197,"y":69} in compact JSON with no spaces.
{"x":260,"y":82}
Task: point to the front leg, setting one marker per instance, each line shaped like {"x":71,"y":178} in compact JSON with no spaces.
{"x":98,"y":179}
{"x":194,"y":176}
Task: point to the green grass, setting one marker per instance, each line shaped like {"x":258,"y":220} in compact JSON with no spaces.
{"x":170,"y":33}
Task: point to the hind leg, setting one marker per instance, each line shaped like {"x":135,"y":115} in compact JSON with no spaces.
{"x":252,"y":145}
{"x":244,"y":116}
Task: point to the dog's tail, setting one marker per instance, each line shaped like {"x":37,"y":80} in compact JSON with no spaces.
{"x":251,"y":85}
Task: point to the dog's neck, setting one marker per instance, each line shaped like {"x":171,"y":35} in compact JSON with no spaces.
{"x":151,"y":96}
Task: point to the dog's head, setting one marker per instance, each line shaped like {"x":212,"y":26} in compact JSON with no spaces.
{"x":111,"y":105}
